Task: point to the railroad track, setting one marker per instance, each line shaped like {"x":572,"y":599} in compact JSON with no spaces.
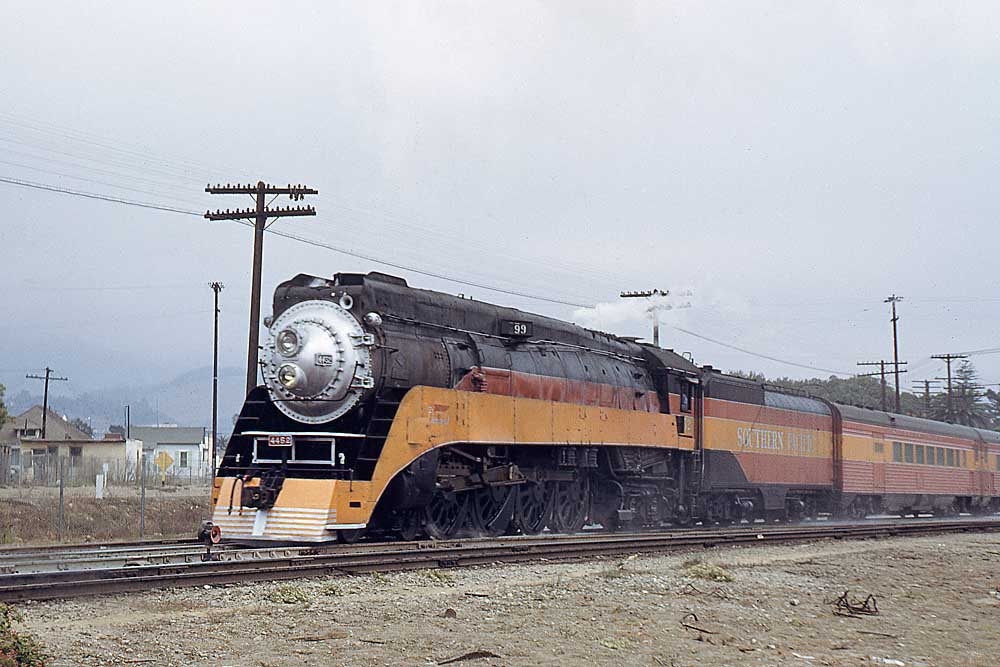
{"x":246,"y":565}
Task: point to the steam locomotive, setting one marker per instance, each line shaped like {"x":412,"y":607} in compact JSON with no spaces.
{"x":393,"y":411}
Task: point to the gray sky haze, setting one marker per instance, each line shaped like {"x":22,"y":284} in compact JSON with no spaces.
{"x":791,"y":164}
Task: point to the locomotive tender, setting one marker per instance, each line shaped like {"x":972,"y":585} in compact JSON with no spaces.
{"x":397,"y":411}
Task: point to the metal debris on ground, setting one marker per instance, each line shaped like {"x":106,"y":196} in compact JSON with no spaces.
{"x":336,"y":634}
{"x":691,"y":589}
{"x":471,"y":655}
{"x":854,"y":607}
{"x":690,"y":626}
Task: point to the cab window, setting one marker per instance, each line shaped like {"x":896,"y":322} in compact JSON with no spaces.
{"x":686,"y":390}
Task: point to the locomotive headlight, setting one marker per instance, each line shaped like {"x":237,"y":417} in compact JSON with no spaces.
{"x":288,"y":343}
{"x":288,"y":375}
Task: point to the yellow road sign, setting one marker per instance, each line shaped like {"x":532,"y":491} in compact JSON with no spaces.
{"x":164,"y":461}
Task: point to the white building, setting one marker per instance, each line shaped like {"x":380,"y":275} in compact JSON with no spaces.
{"x":184,"y":444}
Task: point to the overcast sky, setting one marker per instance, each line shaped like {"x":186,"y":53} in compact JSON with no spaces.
{"x":791,"y":164}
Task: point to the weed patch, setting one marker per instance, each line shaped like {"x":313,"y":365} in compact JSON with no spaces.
{"x":18,"y":649}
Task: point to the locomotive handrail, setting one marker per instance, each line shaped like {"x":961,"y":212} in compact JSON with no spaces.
{"x":305,"y":434}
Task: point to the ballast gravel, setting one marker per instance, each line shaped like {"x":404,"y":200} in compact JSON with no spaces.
{"x":938,"y":601}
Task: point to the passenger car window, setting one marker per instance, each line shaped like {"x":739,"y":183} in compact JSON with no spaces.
{"x":920,"y":454}
{"x":908,"y":453}
{"x":897,"y":452}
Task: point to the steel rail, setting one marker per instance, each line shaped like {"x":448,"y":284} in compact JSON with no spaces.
{"x":11,"y":550}
{"x":383,"y":557}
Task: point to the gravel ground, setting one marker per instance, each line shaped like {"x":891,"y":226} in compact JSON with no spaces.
{"x":937,"y":599}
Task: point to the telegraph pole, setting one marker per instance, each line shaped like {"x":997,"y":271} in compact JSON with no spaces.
{"x":948,"y":358}
{"x":927,"y":395}
{"x":48,"y":377}
{"x":895,"y":342}
{"x":655,"y":310}
{"x":881,"y":373}
{"x":216,"y":287}
{"x":259,"y":216}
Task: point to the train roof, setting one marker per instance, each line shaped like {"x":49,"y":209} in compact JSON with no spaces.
{"x":919,"y":424}
{"x":745,"y":390}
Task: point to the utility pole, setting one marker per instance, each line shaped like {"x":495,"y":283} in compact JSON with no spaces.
{"x":881,"y":373}
{"x":259,"y":216}
{"x":48,"y":377}
{"x":927,"y":395}
{"x":654,"y":310}
{"x":895,"y":342}
{"x":948,"y":358}
{"x":216,"y":287}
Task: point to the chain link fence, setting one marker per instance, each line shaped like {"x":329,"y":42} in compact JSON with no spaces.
{"x":52,"y":498}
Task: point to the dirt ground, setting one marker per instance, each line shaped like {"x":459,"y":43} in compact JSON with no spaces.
{"x":937,"y":599}
{"x":31,"y":515}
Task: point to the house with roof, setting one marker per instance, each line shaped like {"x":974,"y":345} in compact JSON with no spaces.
{"x":34,"y":446}
{"x":185,"y":445}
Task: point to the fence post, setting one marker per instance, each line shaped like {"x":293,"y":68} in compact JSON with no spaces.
{"x":62,"y":487}
{"x":142,"y":497}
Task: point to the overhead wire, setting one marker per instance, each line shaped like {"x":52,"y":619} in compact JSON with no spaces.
{"x":760,"y":355}
{"x":397,"y":265}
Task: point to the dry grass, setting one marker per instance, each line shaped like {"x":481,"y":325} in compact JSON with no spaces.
{"x":88,"y":519}
{"x":709,"y":571}
{"x":288,"y":594}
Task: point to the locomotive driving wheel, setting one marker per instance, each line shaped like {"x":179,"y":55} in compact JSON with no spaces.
{"x":492,"y":509}
{"x":532,"y":507}
{"x":570,"y":505}
{"x":409,"y":524}
{"x":351,"y":535}
{"x":446,"y":514}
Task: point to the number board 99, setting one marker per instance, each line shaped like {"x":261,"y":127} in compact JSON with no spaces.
{"x":516,"y":328}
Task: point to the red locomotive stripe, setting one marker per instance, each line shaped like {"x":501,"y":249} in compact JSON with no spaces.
{"x":529,"y":385}
{"x":762,"y":414}
{"x":786,"y":469}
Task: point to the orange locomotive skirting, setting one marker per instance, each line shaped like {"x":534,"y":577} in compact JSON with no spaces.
{"x":430,"y":417}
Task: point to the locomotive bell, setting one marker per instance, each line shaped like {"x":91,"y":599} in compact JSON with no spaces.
{"x":318,"y":361}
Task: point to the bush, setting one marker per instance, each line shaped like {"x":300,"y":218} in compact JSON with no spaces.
{"x":18,"y":649}
{"x":284,"y":594}
{"x":709,"y":571}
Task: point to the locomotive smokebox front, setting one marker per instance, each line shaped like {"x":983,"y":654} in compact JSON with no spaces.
{"x":318,"y":361}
